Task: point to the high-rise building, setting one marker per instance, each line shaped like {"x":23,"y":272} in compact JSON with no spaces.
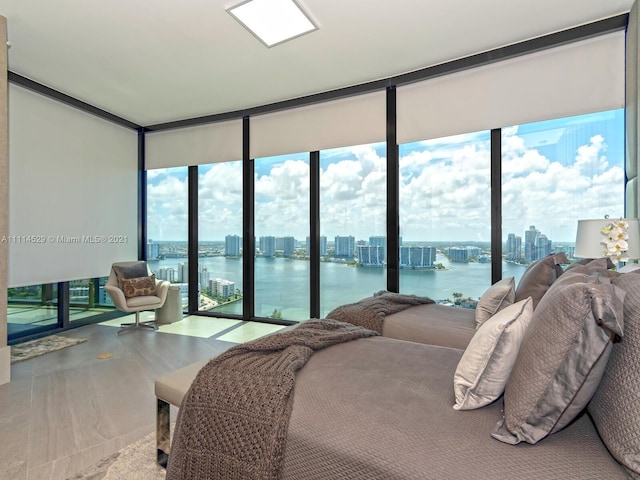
{"x":458,"y":254}
{"x":268,"y":246}
{"x":153,"y":250}
{"x":530,"y":243}
{"x":514,"y":248}
{"x":232,"y":245}
{"x":417,"y":257}
{"x":379,"y":241}
{"x":223,"y":288}
{"x":323,"y":246}
{"x":369,"y":256}
{"x":345,"y":246}
{"x":288,"y":246}
{"x":166,"y":273}
{"x":183,"y":272}
{"x":203,"y":276}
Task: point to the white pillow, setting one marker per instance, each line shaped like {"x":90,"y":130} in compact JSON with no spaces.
{"x":486,"y":364}
{"x":499,"y":295}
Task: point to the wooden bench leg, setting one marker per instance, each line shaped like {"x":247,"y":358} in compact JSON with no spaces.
{"x":163,"y":434}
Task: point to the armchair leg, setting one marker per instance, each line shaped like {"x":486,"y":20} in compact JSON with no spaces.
{"x":138,"y":324}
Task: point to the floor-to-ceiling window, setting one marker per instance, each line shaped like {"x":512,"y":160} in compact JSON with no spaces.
{"x":282,"y":278}
{"x":220,"y":237}
{"x":445,"y":218}
{"x":554,"y":173}
{"x":353,"y":209}
{"x":167,"y":226}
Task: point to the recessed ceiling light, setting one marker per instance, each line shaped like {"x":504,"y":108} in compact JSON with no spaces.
{"x":273,"y":21}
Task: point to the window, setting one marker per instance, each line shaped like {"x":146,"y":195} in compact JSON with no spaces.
{"x":167,"y":226}
{"x":553,"y":174}
{"x":353,"y":210}
{"x":445,"y":218}
{"x":220,"y":237}
{"x":282,"y":285}
{"x":31,"y":309}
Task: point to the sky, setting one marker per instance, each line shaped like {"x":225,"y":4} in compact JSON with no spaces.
{"x":553,"y":173}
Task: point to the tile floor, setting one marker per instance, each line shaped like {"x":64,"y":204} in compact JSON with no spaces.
{"x":64,"y":411}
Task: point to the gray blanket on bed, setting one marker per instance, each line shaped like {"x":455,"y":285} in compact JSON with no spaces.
{"x":371,"y":311}
{"x":233,"y":421}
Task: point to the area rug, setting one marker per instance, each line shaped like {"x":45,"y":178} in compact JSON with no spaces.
{"x":35,"y":348}
{"x":134,"y":462}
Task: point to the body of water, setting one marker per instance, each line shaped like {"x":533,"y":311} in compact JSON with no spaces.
{"x":283,"y":284}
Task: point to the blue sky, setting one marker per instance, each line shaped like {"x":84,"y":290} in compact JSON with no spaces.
{"x":554,"y":172}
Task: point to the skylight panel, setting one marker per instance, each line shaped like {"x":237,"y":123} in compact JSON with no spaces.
{"x":273,"y":21}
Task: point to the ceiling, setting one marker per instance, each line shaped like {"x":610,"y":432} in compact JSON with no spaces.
{"x":160,"y":61}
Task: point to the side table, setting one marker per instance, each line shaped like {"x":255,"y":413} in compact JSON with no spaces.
{"x":171,"y":311}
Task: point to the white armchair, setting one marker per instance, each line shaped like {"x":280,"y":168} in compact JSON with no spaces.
{"x":126,"y":287}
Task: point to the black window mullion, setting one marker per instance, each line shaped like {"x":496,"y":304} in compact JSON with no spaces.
{"x":192,"y":186}
{"x":142,"y":197}
{"x":248,"y":227}
{"x":393,"y":196}
{"x":63,"y":304}
{"x":314,"y":234}
{"x":496,"y":205}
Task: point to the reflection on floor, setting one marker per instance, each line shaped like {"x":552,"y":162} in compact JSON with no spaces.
{"x":233,"y":331}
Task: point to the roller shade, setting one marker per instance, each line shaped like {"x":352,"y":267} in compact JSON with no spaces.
{"x":355,"y":120}
{"x":212,"y":143}
{"x":73,"y":192}
{"x":577,"y":78}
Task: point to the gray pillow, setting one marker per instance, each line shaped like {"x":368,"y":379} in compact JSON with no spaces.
{"x":133,"y":270}
{"x":499,"y":295}
{"x":615,"y":407}
{"x":561,"y":360}
{"x":539,"y":276}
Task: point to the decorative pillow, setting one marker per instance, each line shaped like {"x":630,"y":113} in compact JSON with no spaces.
{"x":603,"y":263}
{"x":134,"y":270}
{"x":139,"y":287}
{"x":539,"y":276}
{"x":487,"y":361}
{"x":615,"y":407}
{"x":561,"y":360}
{"x":499,"y":295}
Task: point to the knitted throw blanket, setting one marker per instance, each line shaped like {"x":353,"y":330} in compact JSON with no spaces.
{"x":233,"y":421}
{"x":371,"y":311}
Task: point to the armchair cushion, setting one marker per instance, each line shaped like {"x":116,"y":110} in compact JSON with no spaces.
{"x":130,"y":270}
{"x":138,"y":287}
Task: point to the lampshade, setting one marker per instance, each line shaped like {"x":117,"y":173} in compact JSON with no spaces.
{"x":590,"y":235}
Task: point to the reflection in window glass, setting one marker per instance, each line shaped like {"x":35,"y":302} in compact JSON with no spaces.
{"x":87,"y":298}
{"x":282,"y":287}
{"x":167,"y":227}
{"x":220,"y":237}
{"x":445,"y":218}
{"x":31,"y":308}
{"x":353,"y":224}
{"x":553,"y":174}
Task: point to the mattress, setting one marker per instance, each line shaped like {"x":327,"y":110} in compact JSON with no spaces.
{"x":380,"y":408}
